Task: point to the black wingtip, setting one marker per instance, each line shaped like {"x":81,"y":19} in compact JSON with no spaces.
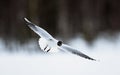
{"x":92,"y":59}
{"x":26,"y":20}
{"x":87,"y":57}
{"x":30,"y":24}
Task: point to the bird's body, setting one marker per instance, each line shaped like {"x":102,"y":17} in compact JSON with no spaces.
{"x":49,"y":44}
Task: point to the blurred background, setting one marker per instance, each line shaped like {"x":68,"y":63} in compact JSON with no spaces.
{"x":64,"y":18}
{"x":92,"y":26}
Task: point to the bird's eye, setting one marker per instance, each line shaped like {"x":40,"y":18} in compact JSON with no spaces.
{"x":59,"y":43}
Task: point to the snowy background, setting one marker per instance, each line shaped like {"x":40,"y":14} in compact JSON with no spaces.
{"x":97,"y":22}
{"x":105,"y":50}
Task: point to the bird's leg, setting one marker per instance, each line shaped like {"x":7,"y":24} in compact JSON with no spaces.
{"x":45,"y":47}
{"x":48,"y":50}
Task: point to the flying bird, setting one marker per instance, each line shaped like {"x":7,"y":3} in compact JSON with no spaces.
{"x":49,"y":44}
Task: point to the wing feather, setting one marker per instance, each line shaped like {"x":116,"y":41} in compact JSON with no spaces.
{"x":40,"y":31}
{"x":74,"y":51}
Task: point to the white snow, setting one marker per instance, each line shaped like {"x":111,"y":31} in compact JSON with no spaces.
{"x":107,"y":52}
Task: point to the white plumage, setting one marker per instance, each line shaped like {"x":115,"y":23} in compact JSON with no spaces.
{"x":49,"y":44}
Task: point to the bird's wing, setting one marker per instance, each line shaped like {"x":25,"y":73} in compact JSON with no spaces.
{"x":74,"y":51}
{"x":40,"y":31}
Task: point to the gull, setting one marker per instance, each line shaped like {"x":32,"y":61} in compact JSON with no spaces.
{"x":49,"y":44}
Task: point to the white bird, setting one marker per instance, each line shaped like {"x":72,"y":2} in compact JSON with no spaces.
{"x":49,"y":44}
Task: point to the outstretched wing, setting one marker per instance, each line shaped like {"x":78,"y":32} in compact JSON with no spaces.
{"x":74,"y":51}
{"x":40,"y":31}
